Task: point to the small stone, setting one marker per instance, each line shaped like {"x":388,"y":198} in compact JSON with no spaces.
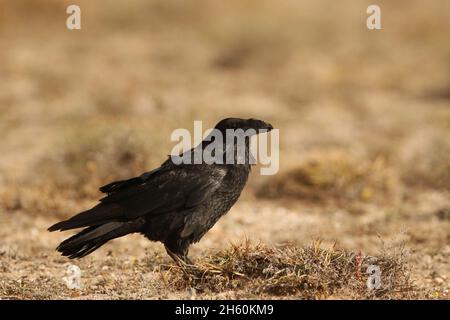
{"x":439,"y":280}
{"x":73,"y":277}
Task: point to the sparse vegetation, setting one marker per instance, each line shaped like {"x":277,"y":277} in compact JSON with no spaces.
{"x":310,"y":272}
{"x":364,"y":150}
{"x":336,"y":175}
{"x":427,"y":160}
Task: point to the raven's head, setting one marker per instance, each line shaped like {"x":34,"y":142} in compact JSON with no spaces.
{"x":245,"y":124}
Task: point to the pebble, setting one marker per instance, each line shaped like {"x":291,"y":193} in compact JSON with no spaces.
{"x":439,"y":280}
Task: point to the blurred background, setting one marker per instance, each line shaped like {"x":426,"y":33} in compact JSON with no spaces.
{"x":364,"y":116}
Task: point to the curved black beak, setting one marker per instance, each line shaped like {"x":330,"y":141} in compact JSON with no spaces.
{"x":259,"y":125}
{"x":268,"y":126}
{"x":265,"y":127}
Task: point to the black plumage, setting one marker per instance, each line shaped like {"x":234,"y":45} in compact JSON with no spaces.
{"x":173,"y":204}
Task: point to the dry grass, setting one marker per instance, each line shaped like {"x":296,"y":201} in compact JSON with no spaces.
{"x":72,"y":172}
{"x":244,"y":270}
{"x":363,"y":118}
{"x":427,"y":160}
{"x":336,"y":175}
{"x":310,"y":272}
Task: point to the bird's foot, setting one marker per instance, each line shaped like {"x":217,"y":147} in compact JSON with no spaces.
{"x":186,"y":264}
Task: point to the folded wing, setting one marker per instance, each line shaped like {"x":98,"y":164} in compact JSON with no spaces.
{"x":156,"y":192}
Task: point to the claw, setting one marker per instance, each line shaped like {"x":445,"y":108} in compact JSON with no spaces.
{"x":185,"y":264}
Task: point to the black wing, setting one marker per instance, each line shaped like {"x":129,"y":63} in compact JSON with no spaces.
{"x":122,"y":184}
{"x":160,"y":191}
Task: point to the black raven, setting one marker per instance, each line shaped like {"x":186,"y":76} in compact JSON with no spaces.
{"x":175,"y":204}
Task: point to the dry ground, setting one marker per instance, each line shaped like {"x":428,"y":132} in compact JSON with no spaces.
{"x":364,"y":119}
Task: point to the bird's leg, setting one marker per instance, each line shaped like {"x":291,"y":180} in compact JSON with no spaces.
{"x":180,"y":259}
{"x":179,"y":253}
{"x":183,"y":261}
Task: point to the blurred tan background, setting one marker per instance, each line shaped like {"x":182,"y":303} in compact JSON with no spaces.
{"x":364,"y":118}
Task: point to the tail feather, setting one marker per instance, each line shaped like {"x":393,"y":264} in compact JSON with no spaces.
{"x":92,"y":238}
{"x":100,"y":214}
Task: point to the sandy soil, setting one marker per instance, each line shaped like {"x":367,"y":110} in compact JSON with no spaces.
{"x":364,"y":122}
